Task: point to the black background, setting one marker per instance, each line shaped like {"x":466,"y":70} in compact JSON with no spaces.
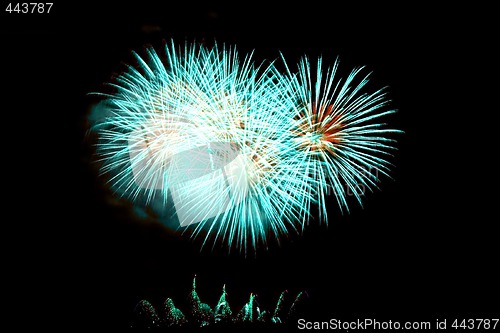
{"x":424,"y":247}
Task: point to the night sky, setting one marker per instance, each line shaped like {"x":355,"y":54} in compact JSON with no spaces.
{"x":423,"y":247}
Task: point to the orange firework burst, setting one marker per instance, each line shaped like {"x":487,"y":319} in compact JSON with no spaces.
{"x":322,"y":130}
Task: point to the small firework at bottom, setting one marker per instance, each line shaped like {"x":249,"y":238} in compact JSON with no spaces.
{"x":200,"y":314}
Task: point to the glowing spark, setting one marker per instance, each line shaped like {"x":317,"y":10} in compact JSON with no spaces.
{"x":240,"y":151}
{"x":339,"y":144}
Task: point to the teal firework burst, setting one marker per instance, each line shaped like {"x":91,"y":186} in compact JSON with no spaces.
{"x":240,"y":151}
{"x":340,"y":146}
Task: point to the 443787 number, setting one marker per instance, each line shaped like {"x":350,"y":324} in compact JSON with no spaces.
{"x":29,"y":7}
{"x":471,"y":324}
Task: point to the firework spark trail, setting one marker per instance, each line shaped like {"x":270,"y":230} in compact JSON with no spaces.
{"x":204,"y":96}
{"x":337,"y":140}
{"x":240,"y":106}
{"x":243,"y":150}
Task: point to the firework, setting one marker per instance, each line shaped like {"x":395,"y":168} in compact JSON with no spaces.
{"x":200,"y":314}
{"x":240,"y":150}
{"x":340,"y":147}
